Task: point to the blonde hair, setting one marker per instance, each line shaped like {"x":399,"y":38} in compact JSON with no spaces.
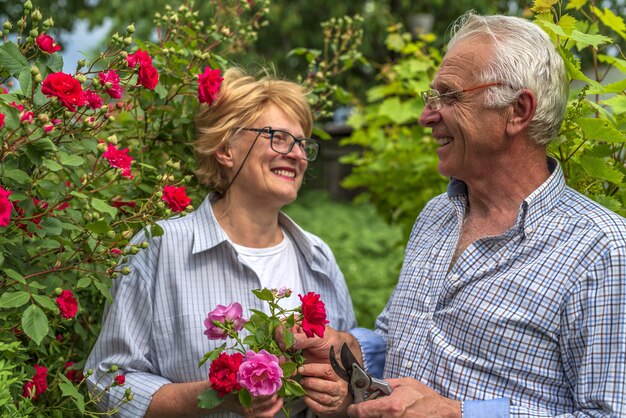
{"x":241,"y":100}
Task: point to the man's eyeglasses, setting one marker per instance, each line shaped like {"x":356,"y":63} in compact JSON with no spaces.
{"x":282,"y":142}
{"x":434,"y":99}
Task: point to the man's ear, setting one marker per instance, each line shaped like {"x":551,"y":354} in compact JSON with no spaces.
{"x":524,"y":108}
{"x":224,"y":156}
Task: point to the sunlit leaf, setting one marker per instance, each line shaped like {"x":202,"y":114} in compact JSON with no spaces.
{"x":600,"y":168}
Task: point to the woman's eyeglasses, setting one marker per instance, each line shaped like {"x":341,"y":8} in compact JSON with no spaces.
{"x":282,"y":142}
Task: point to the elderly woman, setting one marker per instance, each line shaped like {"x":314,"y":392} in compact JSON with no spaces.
{"x":253,"y":150}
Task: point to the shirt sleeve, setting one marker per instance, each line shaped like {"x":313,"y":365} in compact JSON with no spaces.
{"x":373,"y":349}
{"x":124,"y":341}
{"x":493,"y":408}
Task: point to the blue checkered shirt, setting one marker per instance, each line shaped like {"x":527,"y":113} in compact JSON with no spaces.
{"x":531,"y":323}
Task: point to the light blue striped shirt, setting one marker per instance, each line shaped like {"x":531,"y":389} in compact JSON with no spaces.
{"x":154,"y":329}
{"x":531,"y":323}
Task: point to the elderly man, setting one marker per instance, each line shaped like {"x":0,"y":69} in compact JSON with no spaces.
{"x":512,"y":296}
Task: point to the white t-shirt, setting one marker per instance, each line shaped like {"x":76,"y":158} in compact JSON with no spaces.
{"x":277,"y":267}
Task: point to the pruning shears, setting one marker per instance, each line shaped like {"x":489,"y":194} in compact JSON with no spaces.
{"x":362,"y":386}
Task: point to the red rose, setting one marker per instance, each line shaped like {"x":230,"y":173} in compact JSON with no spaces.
{"x":72,"y":374}
{"x":1,"y":120}
{"x":148,"y":76}
{"x":67,"y":304}
{"x":94,"y":101}
{"x":176,"y":198}
{"x":111,"y":82}
{"x":140,"y":57}
{"x":120,"y":379}
{"x":314,"y":313}
{"x":38,"y":384}
{"x":47,"y":44}
{"x":223,"y":373}
{"x":119,"y":158}
{"x":209,"y":83}
{"x":66,"y":88}
{"x":5,"y":207}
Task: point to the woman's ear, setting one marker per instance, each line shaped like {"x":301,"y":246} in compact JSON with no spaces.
{"x":224,"y":155}
{"x":524,"y":108}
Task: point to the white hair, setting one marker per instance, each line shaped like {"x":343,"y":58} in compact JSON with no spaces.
{"x":524,"y":57}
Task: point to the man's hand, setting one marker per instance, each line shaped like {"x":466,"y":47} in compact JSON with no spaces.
{"x":316,"y":349}
{"x":326,"y":393}
{"x":409,"y":398}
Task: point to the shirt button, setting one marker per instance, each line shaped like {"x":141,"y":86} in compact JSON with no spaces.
{"x":528,"y":230}
{"x":409,"y":364}
{"x":455,"y":277}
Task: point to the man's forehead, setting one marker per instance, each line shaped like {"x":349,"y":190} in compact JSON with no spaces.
{"x":464,"y":62}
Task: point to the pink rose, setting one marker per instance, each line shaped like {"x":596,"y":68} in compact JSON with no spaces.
{"x":66,"y":88}
{"x":47,"y":44}
{"x":6,"y":207}
{"x":231,"y":316}
{"x":1,"y":120}
{"x":209,"y":83}
{"x":260,"y":373}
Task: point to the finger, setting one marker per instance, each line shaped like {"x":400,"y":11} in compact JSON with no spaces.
{"x":319,"y":370}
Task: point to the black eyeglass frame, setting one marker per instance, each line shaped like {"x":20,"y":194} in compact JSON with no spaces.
{"x":302,"y":142}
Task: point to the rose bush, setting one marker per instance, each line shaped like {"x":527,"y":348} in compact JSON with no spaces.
{"x":87,"y":159}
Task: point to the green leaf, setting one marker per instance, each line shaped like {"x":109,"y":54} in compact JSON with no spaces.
{"x":102,"y":206}
{"x":11,"y":59}
{"x":156,"y":230}
{"x":600,"y":130}
{"x":245,"y":398}
{"x":83,"y":282}
{"x":617,"y":102}
{"x":98,"y":227}
{"x":293,"y":388}
{"x":55,"y":63}
{"x":399,"y":112}
{"x":263,"y":294}
{"x":35,"y":323}
{"x":52,"y":226}
{"x":209,"y":399}
{"x":575,"y":4}
{"x":212,"y":355}
{"x":71,"y":160}
{"x":15,"y":275}
{"x":26,"y":82}
{"x":17,"y":176}
{"x":586,"y":39}
{"x":52,"y":165}
{"x":13,"y":299}
{"x":46,"y":302}
{"x":104,"y":290}
{"x":68,"y":389}
{"x":288,"y":338}
{"x":598,"y":167}
{"x":289,"y":368}
{"x":609,"y":19}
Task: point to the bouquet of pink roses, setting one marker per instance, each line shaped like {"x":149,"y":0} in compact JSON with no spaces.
{"x":256,"y":365}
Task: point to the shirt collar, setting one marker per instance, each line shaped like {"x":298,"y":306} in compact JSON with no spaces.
{"x":208,"y":233}
{"x":542,"y":200}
